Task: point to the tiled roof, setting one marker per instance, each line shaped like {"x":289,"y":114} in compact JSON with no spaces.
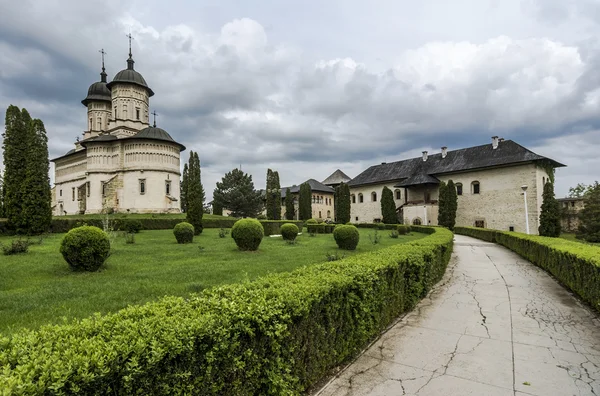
{"x":471,"y":158}
{"x":337,"y":177}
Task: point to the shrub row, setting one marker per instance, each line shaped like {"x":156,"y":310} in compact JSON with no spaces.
{"x":273,"y":227}
{"x":574,"y":264}
{"x":322,"y":228}
{"x":379,"y":226}
{"x":277,"y":335}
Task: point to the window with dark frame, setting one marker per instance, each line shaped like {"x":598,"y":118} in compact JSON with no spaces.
{"x":360,"y":198}
{"x":137,"y":113}
{"x":168,"y":187}
{"x":73,"y":194}
{"x":459,"y":189}
{"x":142,"y":186}
{"x":476,"y":189}
{"x":398,"y":194}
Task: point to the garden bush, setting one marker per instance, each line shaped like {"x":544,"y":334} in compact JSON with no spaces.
{"x":289,"y":231}
{"x":129,"y":225}
{"x":16,"y":246}
{"x":312,"y":221}
{"x":278,"y":335}
{"x":574,"y":264}
{"x":346,"y":237}
{"x":85,"y":248}
{"x":184,"y":232}
{"x":402,"y":229}
{"x":247,"y":234}
{"x":273,"y":227}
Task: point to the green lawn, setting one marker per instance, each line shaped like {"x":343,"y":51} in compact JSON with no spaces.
{"x":38,"y":287}
{"x":571,"y":237}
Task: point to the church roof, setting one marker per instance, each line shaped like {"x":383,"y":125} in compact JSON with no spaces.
{"x":155,"y":133}
{"x":130,"y":76}
{"x":99,"y":138}
{"x":337,"y":177}
{"x":97,"y":92}
{"x":417,"y":171}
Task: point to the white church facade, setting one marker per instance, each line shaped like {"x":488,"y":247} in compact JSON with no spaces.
{"x":122,"y":164}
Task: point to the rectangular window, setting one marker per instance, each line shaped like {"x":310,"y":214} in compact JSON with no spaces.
{"x":60,"y":193}
{"x":398,"y":194}
{"x":73,"y":194}
{"x":475,"y":188}
{"x":168,"y":187}
{"x":87,"y":187}
{"x":115,"y":112}
{"x":459,"y":189}
{"x":511,"y":228}
{"x":142,"y":186}
{"x":137,"y":113}
{"x":354,"y":199}
{"x":103,"y":189}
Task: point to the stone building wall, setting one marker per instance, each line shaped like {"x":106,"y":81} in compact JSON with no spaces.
{"x":369,"y":210}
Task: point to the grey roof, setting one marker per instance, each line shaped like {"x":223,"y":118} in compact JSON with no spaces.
{"x":418,"y":179}
{"x":337,"y":177}
{"x":99,"y":138}
{"x":471,"y":158}
{"x":97,"y":92}
{"x":314,"y":186}
{"x":155,"y":133}
{"x":130,"y":76}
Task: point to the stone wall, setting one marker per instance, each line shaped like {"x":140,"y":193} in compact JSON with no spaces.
{"x":369,"y":210}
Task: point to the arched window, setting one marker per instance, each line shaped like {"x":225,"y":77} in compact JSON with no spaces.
{"x":398,"y":194}
{"x":459,"y":189}
{"x":329,"y":214}
{"x":353,"y":198}
{"x":475,"y":187}
{"x":374,"y":196}
{"x":417,"y":221}
{"x":360,"y":198}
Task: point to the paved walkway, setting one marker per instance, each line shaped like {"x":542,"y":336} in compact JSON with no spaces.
{"x":495,"y":325}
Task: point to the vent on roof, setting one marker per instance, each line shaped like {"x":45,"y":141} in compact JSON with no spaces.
{"x":494,"y":142}
{"x":444,"y":151}
{"x":424,"y":155}
{"x":383,"y":163}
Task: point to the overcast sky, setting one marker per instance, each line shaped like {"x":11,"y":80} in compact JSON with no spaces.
{"x":306,"y":87}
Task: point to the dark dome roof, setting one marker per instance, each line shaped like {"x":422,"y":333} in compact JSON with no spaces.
{"x":155,"y":133}
{"x":130,"y":76}
{"x":97,"y":91}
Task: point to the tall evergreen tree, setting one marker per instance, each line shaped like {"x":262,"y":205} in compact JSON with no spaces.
{"x":443,"y":205}
{"x":37,"y":210}
{"x":342,"y":203}
{"x":289,"y":205}
{"x":305,"y":201}
{"x":452,"y":205}
{"x":194,"y":194}
{"x":388,"y":206}
{"x":217,"y":210}
{"x":236,"y":192}
{"x":1,"y":196}
{"x":184,"y":185}
{"x":269,"y":196}
{"x":550,"y":213}
{"x":589,"y":217}
{"x":15,"y":146}
{"x":276,"y":187}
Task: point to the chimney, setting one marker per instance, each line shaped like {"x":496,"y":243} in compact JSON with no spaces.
{"x":444,"y":151}
{"x":424,"y":155}
{"x":494,"y":142}
{"x":500,"y":140}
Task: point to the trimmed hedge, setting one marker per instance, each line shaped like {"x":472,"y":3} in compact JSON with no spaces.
{"x":379,"y":226}
{"x":273,"y":227}
{"x":322,"y":228}
{"x":247,"y":234}
{"x":346,"y":237}
{"x":289,"y":231}
{"x":277,"y":335}
{"x":85,"y":248}
{"x":184,"y":232}
{"x":574,"y":264}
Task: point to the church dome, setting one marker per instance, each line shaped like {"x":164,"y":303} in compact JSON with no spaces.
{"x":130,"y":76}
{"x":98,"y":91}
{"x":155,"y":133}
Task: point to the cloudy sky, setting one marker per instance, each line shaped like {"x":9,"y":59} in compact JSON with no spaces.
{"x":306,"y":87}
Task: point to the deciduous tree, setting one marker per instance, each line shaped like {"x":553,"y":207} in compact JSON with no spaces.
{"x":589,"y":217}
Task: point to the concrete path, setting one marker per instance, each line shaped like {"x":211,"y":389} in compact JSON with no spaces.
{"x":495,"y":325}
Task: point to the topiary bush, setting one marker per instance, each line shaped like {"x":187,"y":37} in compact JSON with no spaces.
{"x":184,"y":232}
{"x":85,"y":248}
{"x":312,"y":221}
{"x":289,"y":231}
{"x":403,"y":230}
{"x":346,"y":237}
{"x":247,"y":234}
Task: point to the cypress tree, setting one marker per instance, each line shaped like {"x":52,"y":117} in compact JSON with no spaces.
{"x":1,"y":196}
{"x":388,"y":206}
{"x":194,"y":194}
{"x":289,"y":205}
{"x":443,"y":205}
{"x":589,"y":217}
{"x":305,"y":202}
{"x":342,"y":203}
{"x":452,"y":205}
{"x":276,"y":187}
{"x":269,"y":194}
{"x":550,"y":213}
{"x":37,"y":210}
{"x":184,"y":186}
{"x":15,"y":146}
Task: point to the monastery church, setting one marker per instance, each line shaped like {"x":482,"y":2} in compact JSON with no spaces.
{"x":122,"y":164}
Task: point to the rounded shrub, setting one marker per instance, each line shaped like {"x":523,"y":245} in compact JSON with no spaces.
{"x":247,"y":234}
{"x":346,"y":237}
{"x":85,"y":248}
{"x":312,"y":221}
{"x":402,"y":229}
{"x":184,"y":232}
{"x":289,"y":231}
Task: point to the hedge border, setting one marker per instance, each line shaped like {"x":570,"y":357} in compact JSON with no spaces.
{"x":277,"y":335}
{"x":575,"y":265}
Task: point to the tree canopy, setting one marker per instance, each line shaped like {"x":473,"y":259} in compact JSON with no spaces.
{"x":589,"y":217}
{"x":289,"y":205}
{"x":194,"y":194}
{"x":236,"y":192}
{"x":273,"y":195}
{"x":305,"y":201}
